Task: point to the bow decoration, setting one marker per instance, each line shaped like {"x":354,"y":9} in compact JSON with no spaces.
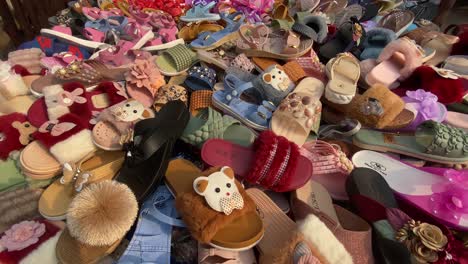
{"x":76,"y":176}
{"x":65,"y":98}
{"x":55,"y":128}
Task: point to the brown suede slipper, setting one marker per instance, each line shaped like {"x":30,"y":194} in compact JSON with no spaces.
{"x":95,"y":167}
{"x":211,"y":206}
{"x":97,"y":220}
{"x":377,"y":108}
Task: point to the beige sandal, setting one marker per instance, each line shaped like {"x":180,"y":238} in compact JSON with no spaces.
{"x":344,"y":72}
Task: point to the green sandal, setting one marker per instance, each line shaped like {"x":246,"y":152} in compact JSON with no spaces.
{"x":211,"y":124}
{"x":432,"y":142}
{"x":176,"y":60}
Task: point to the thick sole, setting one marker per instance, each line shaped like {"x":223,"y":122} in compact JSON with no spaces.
{"x":232,"y":36}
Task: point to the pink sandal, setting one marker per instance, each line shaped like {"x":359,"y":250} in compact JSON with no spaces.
{"x":331,"y":166}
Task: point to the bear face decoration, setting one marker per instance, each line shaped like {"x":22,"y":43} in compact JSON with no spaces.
{"x":220,"y":191}
{"x":277,"y":78}
{"x":130,"y":110}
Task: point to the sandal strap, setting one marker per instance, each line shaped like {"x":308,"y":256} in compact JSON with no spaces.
{"x":79,"y":71}
{"x":181,"y":56}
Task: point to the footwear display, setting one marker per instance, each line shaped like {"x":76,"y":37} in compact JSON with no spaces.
{"x":217,"y":131}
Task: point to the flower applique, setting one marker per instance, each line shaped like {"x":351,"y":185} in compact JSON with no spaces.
{"x":22,"y":235}
{"x":144,"y":74}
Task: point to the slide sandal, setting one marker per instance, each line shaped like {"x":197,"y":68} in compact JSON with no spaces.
{"x":445,"y":198}
{"x":229,"y":223}
{"x":458,"y":120}
{"x":432,"y":141}
{"x":273,"y":162}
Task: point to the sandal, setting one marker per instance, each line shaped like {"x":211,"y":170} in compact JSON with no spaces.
{"x":143,"y":81}
{"x":199,"y":100}
{"x":343,"y":73}
{"x":94,"y":167}
{"x":200,"y":78}
{"x":209,"y":255}
{"x":313,"y":27}
{"x":176,"y":60}
{"x":374,"y":43}
{"x":170,"y":92}
{"x":347,"y":38}
{"x":211,"y":40}
{"x":116,"y":122}
{"x":299,"y":113}
{"x":272,"y":161}
{"x":397,"y":21}
{"x":258,"y":41}
{"x":226,"y":221}
{"x":432,"y":141}
{"x":209,"y":123}
{"x":200,"y":12}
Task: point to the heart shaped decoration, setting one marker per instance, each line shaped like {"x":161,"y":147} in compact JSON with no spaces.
{"x":253,"y":36}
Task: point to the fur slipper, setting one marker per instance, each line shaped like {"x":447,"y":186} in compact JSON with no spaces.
{"x":15,"y":132}
{"x":72,"y":97}
{"x":67,"y":138}
{"x":97,"y":220}
{"x":11,"y":84}
{"x":31,"y":247}
{"x":375,"y":41}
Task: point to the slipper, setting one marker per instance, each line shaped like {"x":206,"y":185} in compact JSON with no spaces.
{"x":397,"y":21}
{"x":432,"y":142}
{"x":200,"y":100}
{"x":176,"y":60}
{"x":272,"y":161}
{"x":432,"y":110}
{"x":353,"y":232}
{"x":28,"y":58}
{"x":374,"y":201}
{"x":293,"y":69}
{"x":170,"y":92}
{"x":442,"y":44}
{"x":228,"y":221}
{"x":150,"y":148}
{"x":18,"y":205}
{"x":17,"y":104}
{"x":12,"y":178}
{"x":258,"y":41}
{"x":343,"y":72}
{"x":117,"y":122}
{"x":299,"y":113}
{"x":143,"y":81}
{"x":441,"y":197}
{"x":157,"y":220}
{"x":283,"y":237}
{"x":11,"y":84}
{"x":211,"y":124}
{"x":94,"y":226}
{"x":331,"y":166}
{"x":89,"y":73}
{"x":94,"y":167}
{"x":342,"y":129}
{"x":314,"y":27}
{"x":374,"y":43}
{"x":38,"y":163}
{"x":210,"y":40}
{"x":331,"y":7}
{"x":200,"y":78}
{"x":355,"y":10}
{"x":377,"y":108}
{"x":458,"y":64}
{"x":458,"y":120}
{"x":348,"y":36}
{"x":219,"y":57}
{"x":397,"y":61}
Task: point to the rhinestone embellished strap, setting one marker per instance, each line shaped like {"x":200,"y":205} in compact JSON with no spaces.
{"x":78,"y":70}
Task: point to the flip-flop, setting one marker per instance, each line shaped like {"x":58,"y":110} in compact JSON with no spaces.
{"x":432,"y":142}
{"x":441,"y":197}
{"x":236,"y":226}
{"x":273,"y":162}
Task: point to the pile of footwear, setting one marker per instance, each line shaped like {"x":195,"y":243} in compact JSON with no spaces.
{"x":240,"y":131}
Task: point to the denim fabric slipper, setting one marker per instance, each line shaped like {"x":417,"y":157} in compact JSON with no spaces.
{"x":151,"y":242}
{"x":255,"y":115}
{"x":200,"y":78}
{"x":200,"y":12}
{"x":211,"y":40}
